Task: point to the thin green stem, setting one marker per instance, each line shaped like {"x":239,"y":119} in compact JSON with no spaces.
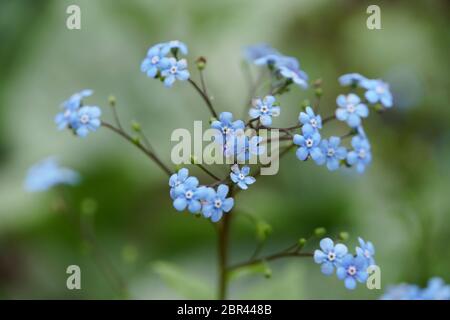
{"x":204,"y":96}
{"x":208,"y":172}
{"x":223,"y":237}
{"x":149,"y":153}
{"x":271,"y":257}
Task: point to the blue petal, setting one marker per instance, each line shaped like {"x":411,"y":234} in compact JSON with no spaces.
{"x":326,"y":244}
{"x":180,"y":203}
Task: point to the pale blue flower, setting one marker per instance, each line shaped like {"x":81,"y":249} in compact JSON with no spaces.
{"x":333,"y":152}
{"x":378,"y":91}
{"x":87,"y":119}
{"x":330,"y":256}
{"x":174,"y":45}
{"x":264,"y":109}
{"x":177,"y":179}
{"x":309,"y":118}
{"x":366,"y":250}
{"x":351,"y":110}
{"x":361,"y":155}
{"x":241,"y":176}
{"x":189,"y":195}
{"x":47,"y":174}
{"x":227,"y":126}
{"x":254,"y":52}
{"x":243,"y":147}
{"x":352,"y":270}
{"x":351,"y":79}
{"x":436,"y":289}
{"x":289,"y":68}
{"x":151,"y":65}
{"x":172,"y":70}
{"x":67,"y":117}
{"x":309,"y":145}
{"x":403,"y":291}
{"x":216,"y":203}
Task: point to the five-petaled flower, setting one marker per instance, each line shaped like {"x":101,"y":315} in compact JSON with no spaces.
{"x":366,"y":250}
{"x":351,"y":79}
{"x":360,"y":156}
{"x":330,"y":256}
{"x":309,"y":118}
{"x":333,"y":152}
{"x":241,"y":177}
{"x":177,"y":179}
{"x":173,"y":69}
{"x":226,"y":126}
{"x":87,"y":119}
{"x":351,"y":270}
{"x":67,"y":117}
{"x":309,"y":145}
{"x":254,"y":52}
{"x":264,"y":109}
{"x":189,"y":195}
{"x":351,"y":110}
{"x":377,"y":91}
{"x":216,"y":203}
{"x":151,"y":65}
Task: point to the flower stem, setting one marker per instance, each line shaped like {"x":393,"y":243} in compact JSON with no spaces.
{"x":271,"y":257}
{"x":150,"y":154}
{"x":223,"y":234}
{"x":205,"y":97}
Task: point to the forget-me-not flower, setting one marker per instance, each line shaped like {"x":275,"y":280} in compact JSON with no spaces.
{"x":244,"y":147}
{"x":309,"y":118}
{"x":241,"y":176}
{"x":47,"y":174}
{"x":330,"y":256}
{"x":189,"y":195}
{"x":152,"y":62}
{"x":351,"y":79}
{"x":177,"y":179}
{"x":436,"y":289}
{"x":333,"y":152}
{"x":351,"y":110}
{"x":360,"y":156}
{"x":264,"y":109}
{"x":174,"y":45}
{"x":216,"y":203}
{"x":377,"y":91}
{"x":403,"y":291}
{"x":289,"y":68}
{"x":309,"y":145}
{"x":366,"y":250}
{"x":67,"y":117}
{"x":351,"y":270}
{"x":87,"y":119}
{"x":174,"y":70}
{"x":227,"y":126}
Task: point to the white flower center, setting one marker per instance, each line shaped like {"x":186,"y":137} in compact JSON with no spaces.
{"x":217,"y":203}
{"x":241,"y":176}
{"x":189,"y":194}
{"x":155,"y":59}
{"x":331,"y":256}
{"x":330,"y":152}
{"x":173,"y":70}
{"x":362,"y":153}
{"x":264,"y":109}
{"x":309,"y":142}
{"x":313,"y":122}
{"x":351,"y":108}
{"x":351,"y":270}
{"x":379,"y":89}
{"x":84,"y":119}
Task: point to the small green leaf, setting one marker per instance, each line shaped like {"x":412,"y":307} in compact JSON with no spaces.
{"x":257,"y":268}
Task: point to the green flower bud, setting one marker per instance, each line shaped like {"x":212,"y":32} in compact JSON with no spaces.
{"x":136,"y":126}
{"x":112,"y":101}
{"x":318,"y":232}
{"x":201,"y":63}
{"x":343,"y":236}
{"x":301,"y":242}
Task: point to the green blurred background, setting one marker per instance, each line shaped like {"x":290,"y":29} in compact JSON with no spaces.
{"x":401,"y":204}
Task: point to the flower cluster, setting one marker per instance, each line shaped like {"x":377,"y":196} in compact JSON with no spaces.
{"x":436,"y":289}
{"x":233,"y":139}
{"x":77,"y":117}
{"x":349,"y":268}
{"x":47,"y":174}
{"x":158,"y":63}
{"x":187,"y":194}
{"x":283,"y":66}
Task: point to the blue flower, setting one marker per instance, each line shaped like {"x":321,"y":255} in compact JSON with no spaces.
{"x":174,"y":45}
{"x":177,"y":179}
{"x":243,"y":147}
{"x":189,"y":195}
{"x":366,"y":250}
{"x":309,"y":145}
{"x":309,"y":118}
{"x":47,"y":174}
{"x":67,"y":117}
{"x":241,"y":177}
{"x":174,"y":70}
{"x":402,"y":291}
{"x":351,"y":110}
{"x":252,"y":53}
{"x":351,"y":270}
{"x":436,"y":290}
{"x":333,"y":152}
{"x":377,"y":91}
{"x":226,"y":125}
{"x":87,"y":119}
{"x":264,"y":110}
{"x":216,"y":203}
{"x":330,"y":256}
{"x":360,"y":156}
{"x":151,"y":65}
{"x":351,"y":79}
{"x":289,"y":68}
